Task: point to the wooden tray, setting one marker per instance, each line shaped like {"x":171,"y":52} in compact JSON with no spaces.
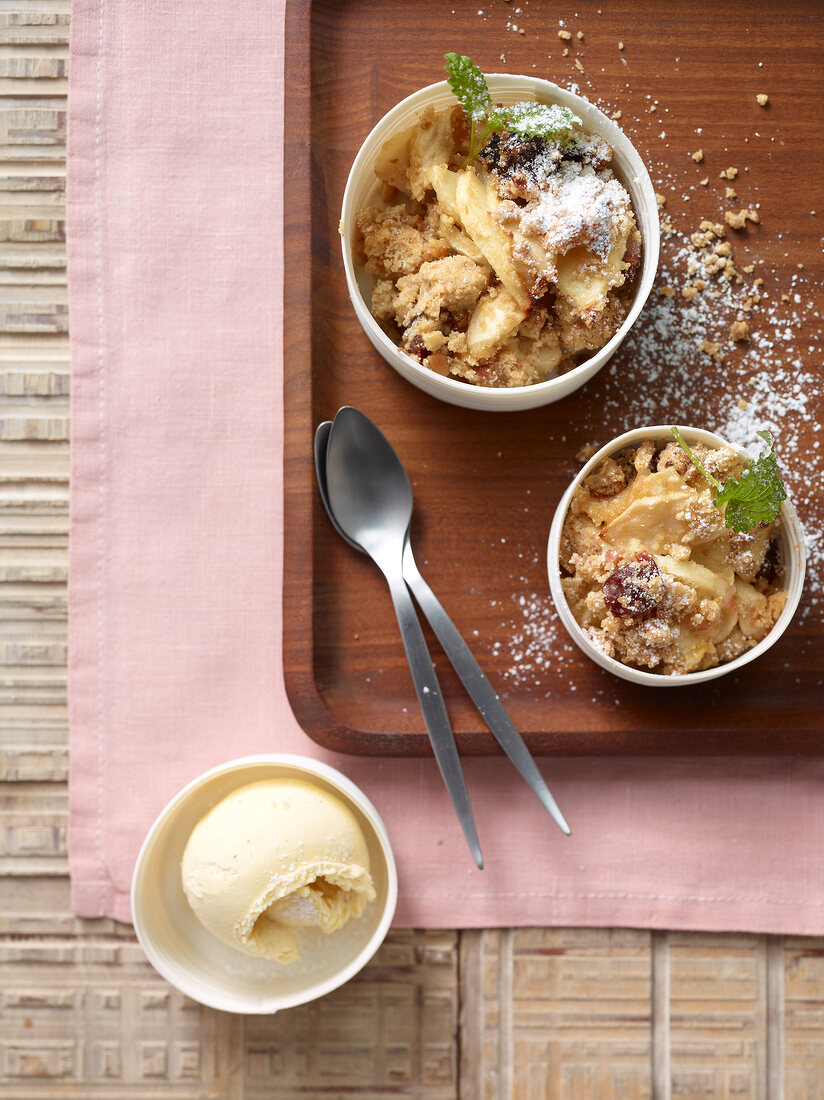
{"x":486,"y":485}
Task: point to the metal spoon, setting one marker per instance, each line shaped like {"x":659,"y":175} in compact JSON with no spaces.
{"x":371,"y":499}
{"x":471,"y":674}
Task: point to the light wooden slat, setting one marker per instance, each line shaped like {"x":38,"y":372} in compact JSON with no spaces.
{"x":661,"y":1019}
{"x":30,"y":25}
{"x":718,"y":998}
{"x":32,"y":230}
{"x":85,"y":1016}
{"x":556,"y":1013}
{"x":32,"y":70}
{"x":29,"y":124}
{"x":804,"y":1025}
{"x":775,"y":1019}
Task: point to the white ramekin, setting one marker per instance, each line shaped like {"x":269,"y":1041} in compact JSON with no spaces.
{"x":362,"y":190}
{"x":213,"y":973}
{"x":791,"y":547}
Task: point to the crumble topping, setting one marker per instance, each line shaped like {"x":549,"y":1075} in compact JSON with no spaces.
{"x":651,"y":573}
{"x":506,"y":271}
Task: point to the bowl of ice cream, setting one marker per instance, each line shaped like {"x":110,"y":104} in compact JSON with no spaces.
{"x":265,"y":883}
{"x":501,"y":279}
{"x":646,"y":576}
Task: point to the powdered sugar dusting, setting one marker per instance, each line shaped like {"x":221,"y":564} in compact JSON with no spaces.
{"x":685,"y":362}
{"x":578,"y":206}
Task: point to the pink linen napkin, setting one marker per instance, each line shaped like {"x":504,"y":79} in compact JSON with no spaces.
{"x":175,"y":266}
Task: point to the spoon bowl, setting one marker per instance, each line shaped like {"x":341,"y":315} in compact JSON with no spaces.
{"x":320,"y":446}
{"x":367,"y":486}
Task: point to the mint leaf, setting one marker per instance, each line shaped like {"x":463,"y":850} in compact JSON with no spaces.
{"x":757,"y":497}
{"x":469,"y":85}
{"x":527,"y":119}
{"x":535,"y":120}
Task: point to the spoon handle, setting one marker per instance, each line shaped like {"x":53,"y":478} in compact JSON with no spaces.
{"x":480,"y":690}
{"x":434,"y":712}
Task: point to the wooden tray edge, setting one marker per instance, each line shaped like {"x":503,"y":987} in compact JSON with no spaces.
{"x":299,"y":501}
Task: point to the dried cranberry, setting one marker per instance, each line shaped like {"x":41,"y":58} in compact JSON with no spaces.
{"x":417,"y":348}
{"x":771,"y":568}
{"x":633,"y":590}
{"x":632,"y":256}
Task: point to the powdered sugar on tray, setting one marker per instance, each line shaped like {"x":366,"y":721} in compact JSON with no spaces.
{"x":730,"y":357}
{"x":714,"y":348}
{"x":730,"y":340}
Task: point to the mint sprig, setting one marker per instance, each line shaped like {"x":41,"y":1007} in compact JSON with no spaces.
{"x":469,"y":85}
{"x":535,"y":119}
{"x":755,"y":498}
{"x":528,"y":119}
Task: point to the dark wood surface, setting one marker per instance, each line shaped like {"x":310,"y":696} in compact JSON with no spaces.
{"x":486,"y":485}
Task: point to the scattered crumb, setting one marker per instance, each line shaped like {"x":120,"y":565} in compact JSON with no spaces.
{"x":578,"y":65}
{"x":580,"y":36}
{"x":712,"y":349}
{"x":620,"y":45}
{"x":586,"y":453}
{"x":762,"y":99}
{"x":617,"y":114}
{"x":706,"y":306}
{"x":739,"y":220}
{"x":566,"y":35}
{"x":698,"y":155}
{"x":565,"y":52}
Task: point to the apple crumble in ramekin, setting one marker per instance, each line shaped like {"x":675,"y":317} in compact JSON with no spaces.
{"x":503,"y":270}
{"x":651,"y":573}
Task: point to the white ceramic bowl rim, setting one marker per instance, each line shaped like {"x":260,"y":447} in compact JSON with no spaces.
{"x":795,"y":565}
{"x":203,"y":992}
{"x":505,"y":86}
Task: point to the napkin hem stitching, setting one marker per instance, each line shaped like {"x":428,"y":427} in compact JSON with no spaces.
{"x":105,"y":886}
{"x":607,"y":895}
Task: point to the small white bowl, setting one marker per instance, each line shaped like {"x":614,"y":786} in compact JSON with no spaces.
{"x":790,"y":544}
{"x":362,"y":189}
{"x":212,"y":972}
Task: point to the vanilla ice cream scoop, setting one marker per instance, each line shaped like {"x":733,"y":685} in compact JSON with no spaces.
{"x":273,"y":857}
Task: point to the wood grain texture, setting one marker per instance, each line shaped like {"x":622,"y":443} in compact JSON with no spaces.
{"x":562,"y":1014}
{"x":486,"y":485}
